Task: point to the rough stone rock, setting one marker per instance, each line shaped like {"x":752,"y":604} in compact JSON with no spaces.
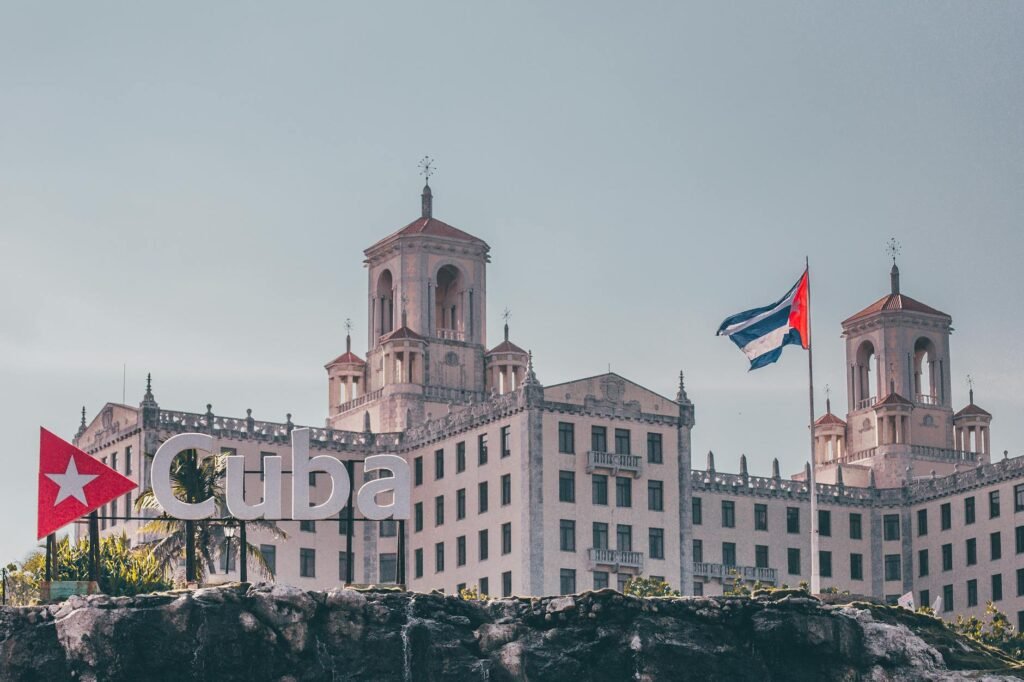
{"x":278,"y":633}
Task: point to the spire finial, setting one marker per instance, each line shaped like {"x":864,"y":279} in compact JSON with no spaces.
{"x":149,"y":387}
{"x":970,"y":388}
{"x":681,"y":393}
{"x":828,"y":399}
{"x":506,"y":315}
{"x":531,"y":377}
{"x":427,"y":198}
{"x":348,"y":335}
{"x":405,"y":300}
{"x":893,"y":249}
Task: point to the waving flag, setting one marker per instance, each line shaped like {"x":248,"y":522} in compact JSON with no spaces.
{"x":762,"y":332}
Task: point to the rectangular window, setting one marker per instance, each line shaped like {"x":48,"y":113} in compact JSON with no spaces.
{"x":825,"y":564}
{"x":698,"y":588}
{"x":972,"y":592}
{"x":343,"y":566}
{"x":598,"y":439}
{"x":856,"y":526}
{"x":761,"y":556}
{"x":728,"y":514}
{"x":922,"y":562}
{"x":997,"y":587}
{"x":760,"y":517}
{"x":946,"y":516}
{"x":729,"y":553}
{"x":969,"y":510}
{"x":506,"y":489}
{"x":824,"y":523}
{"x":892,"y":567}
{"x":307,"y":562}
{"x":388,"y":528}
{"x":483,"y":541}
{"x":926,"y":598}
{"x":856,"y":566}
{"x":460,"y":550}
{"x":481,"y":449}
{"x":438,"y":557}
{"x":947,"y":598}
{"x":623,"y":491}
{"x":417,"y":471}
{"x":600,"y":580}
{"x":993,"y":504}
{"x":128,"y":460}
{"x":460,"y":457}
{"x":113,"y":511}
{"x":922,"y":522}
{"x":793,"y":560}
{"x":567,"y":535}
{"x":995,"y":546}
{"x":793,"y":520}
{"x":506,"y":538}
{"x":1018,"y":497}
{"x":599,"y":489}
{"x":623,"y":578}
{"x":567,"y":438}
{"x":656,"y":542}
{"x":485,"y":586}
{"x":438,"y":464}
{"x":343,"y":526}
{"x":263,"y":466}
{"x":388,"y":564}
{"x":566,"y":486}
{"x":269,"y":553}
{"x":460,"y":504}
{"x":654,"y":455}
{"x":312,"y":478}
{"x":624,"y":537}
{"x":698,"y":512}
{"x":439,"y":510}
{"x":655,"y":497}
{"x":567,"y":580}
{"x":506,"y":584}
{"x":1019,"y":536}
{"x":307,"y":526}
{"x":418,"y":562}
{"x":417,"y":517}
{"x":600,"y":535}
{"x":622,"y":442}
{"x":506,"y":443}
{"x":698,"y":551}
{"x":947,"y":557}
{"x":891,"y":527}
{"x":481,"y":494}
{"x":972,"y":551}
{"x":1020,"y":582}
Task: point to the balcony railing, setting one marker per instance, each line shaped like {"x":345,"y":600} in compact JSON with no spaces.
{"x":866,"y":402}
{"x":943,"y":454}
{"x":725,"y":572}
{"x":926,"y":399}
{"x":614,"y":462}
{"x":617,"y":558}
{"x":356,"y":402}
{"x":451,"y":334}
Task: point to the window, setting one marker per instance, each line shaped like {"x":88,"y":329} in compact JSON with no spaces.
{"x":856,"y":566}
{"x":388,"y":528}
{"x":269,"y":553}
{"x":506,"y":489}
{"x":1018,"y":497}
{"x":307,"y":562}
{"x":600,"y":580}
{"x":995,"y":546}
{"x":460,"y":504}
{"x":506,"y":538}
{"x":506,"y":445}
{"x":600,"y":535}
{"x":922,"y":562}
{"x":312,"y":478}
{"x":567,"y":438}
{"x":655,"y":498}
{"x":969,"y":513}
{"x":307,"y":526}
{"x":506,"y":584}
{"x":623,"y":578}
{"x":947,"y":598}
{"x":598,"y":439}
{"x":997,"y":587}
{"x":481,"y":449}
{"x":856,"y":526}
{"x":566,"y":486}
{"x":113,"y":511}
{"x":760,"y":517}
{"x":343,"y":566}
{"x":946,"y":516}
{"x":417,"y":517}
{"x":892,"y":566}
{"x":1020,"y":582}
{"x":624,"y":537}
{"x":482,"y":497}
{"x":622,"y":441}
{"x":698,"y":551}
{"x":263,"y":465}
{"x":729,"y":553}
{"x":459,"y":588}
{"x":460,"y":457}
{"x":1019,"y":533}
{"x":439,"y":510}
{"x":972,"y":551}
{"x":824,"y":523}
{"x":485,"y":586}
{"x":482,"y":541}
{"x":825,"y":564}
{"x":947,"y":557}
{"x":567,"y":535}
{"x":417,"y":471}
{"x":654,"y":455}
{"x":656,"y":543}
{"x":728,"y":514}
{"x":926,"y":597}
{"x":438,"y":557}
{"x":113,"y":460}
{"x":460,"y":550}
{"x":128,"y":459}
{"x":761,"y":556}
{"x":343,"y":526}
{"x":891,"y":527}
{"x":793,"y":561}
{"x":599,"y":489}
{"x":623,"y":491}
{"x":388,"y":565}
{"x":438,"y":464}
{"x":922,"y":522}
{"x":697,"y":513}
{"x":567,"y":580}
{"x":993,"y":504}
{"x":418,"y":562}
{"x":972,"y":592}
{"x":792,"y":519}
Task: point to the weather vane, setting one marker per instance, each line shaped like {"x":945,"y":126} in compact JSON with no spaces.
{"x":427,"y":167}
{"x":970,"y":382}
{"x":892,"y":247}
{"x":506,"y":315}
{"x":348,"y":325}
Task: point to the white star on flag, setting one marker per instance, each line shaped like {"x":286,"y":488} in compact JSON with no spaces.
{"x":72,"y":483}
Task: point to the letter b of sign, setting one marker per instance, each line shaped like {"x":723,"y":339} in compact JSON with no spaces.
{"x":302,"y":465}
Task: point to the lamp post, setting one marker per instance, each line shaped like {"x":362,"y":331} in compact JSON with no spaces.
{"x":229,"y":532}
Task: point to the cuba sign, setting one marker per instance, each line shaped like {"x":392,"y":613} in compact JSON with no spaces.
{"x":302,"y":465}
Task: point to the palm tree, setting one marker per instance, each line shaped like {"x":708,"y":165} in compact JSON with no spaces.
{"x":193,"y":480}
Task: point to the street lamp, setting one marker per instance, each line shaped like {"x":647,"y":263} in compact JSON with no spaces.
{"x":229,"y":532}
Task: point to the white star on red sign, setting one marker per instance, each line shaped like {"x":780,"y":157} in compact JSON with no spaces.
{"x":72,"y":483}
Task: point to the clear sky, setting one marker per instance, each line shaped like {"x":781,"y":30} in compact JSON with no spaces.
{"x":186,"y":188}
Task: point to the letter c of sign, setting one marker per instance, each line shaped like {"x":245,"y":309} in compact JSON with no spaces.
{"x":161,"y":479}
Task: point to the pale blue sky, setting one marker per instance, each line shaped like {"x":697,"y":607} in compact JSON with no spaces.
{"x":187,"y":188}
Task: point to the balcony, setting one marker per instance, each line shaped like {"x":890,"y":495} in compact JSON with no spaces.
{"x":614,"y":462}
{"x":725,"y":572}
{"x":926,"y":399}
{"x":451,"y":334}
{"x":616,"y":558}
{"x":866,"y":402}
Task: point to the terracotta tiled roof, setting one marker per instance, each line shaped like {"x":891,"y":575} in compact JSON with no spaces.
{"x":972,"y":410}
{"x":894,"y":303}
{"x":402,"y":333}
{"x":347,"y":357}
{"x":506,"y":346}
{"x":432,"y":227}
{"x":893,"y":399}
{"x":827,"y":419}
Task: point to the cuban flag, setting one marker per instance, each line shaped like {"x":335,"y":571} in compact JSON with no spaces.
{"x":762,"y":332}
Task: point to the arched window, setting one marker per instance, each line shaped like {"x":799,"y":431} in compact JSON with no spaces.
{"x":924,"y":372}
{"x":866,"y":385}
{"x":448,"y":306}
{"x":384,"y":303}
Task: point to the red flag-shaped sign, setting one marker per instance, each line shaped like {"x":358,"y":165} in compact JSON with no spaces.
{"x":72,"y":483}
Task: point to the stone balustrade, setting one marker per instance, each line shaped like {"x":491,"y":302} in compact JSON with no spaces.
{"x":702,"y":569}
{"x":614,"y":462}
{"x":616,"y":558}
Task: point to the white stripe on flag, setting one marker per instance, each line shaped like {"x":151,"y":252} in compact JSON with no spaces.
{"x":739,"y":326}
{"x":765,"y":344}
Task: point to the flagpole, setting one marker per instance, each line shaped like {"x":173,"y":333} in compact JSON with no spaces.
{"x":815,"y":569}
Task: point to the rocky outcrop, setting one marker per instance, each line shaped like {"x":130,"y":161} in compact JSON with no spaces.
{"x":263,"y":632}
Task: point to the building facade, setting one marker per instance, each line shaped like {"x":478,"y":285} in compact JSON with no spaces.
{"x":525,"y":488}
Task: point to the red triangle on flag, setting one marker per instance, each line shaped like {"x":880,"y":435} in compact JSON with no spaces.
{"x":72,"y":483}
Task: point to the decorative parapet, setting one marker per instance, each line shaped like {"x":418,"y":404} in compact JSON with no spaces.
{"x":922,"y":490}
{"x":472,"y":415}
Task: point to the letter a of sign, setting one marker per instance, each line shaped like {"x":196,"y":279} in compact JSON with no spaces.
{"x":72,"y":483}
